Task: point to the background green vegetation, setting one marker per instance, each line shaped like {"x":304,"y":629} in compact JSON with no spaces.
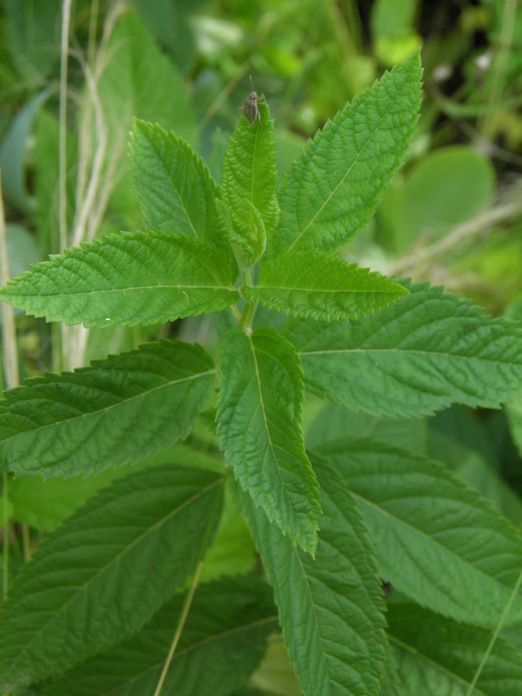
{"x":452,"y":216}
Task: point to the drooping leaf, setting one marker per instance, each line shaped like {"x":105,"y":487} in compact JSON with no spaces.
{"x":174,"y":187}
{"x":103,"y":575}
{"x":312,"y":284}
{"x":438,"y":656}
{"x":413,"y":358}
{"x":127,"y":279}
{"x":103,"y":415}
{"x":436,"y":540}
{"x":249,"y":179}
{"x":333,"y":188}
{"x":259,"y":419}
{"x":222,"y":642}
{"x":330,"y":607}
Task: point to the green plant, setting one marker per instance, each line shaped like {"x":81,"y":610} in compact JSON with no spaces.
{"x":115,"y":599}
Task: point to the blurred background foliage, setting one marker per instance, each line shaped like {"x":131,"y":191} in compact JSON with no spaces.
{"x":452,"y":216}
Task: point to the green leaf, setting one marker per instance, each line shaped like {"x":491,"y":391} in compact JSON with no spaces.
{"x":104,"y":574}
{"x":259,"y":418}
{"x":127,"y":279}
{"x":222,"y":642}
{"x":330,"y":607}
{"x":514,"y":414}
{"x":140,"y":80}
{"x":438,"y":656}
{"x":416,"y":357}
{"x":333,"y":188}
{"x":436,"y":540}
{"x":250,"y":244}
{"x":334,"y":422}
{"x":249,"y":179}
{"x":89,"y":420}
{"x":32,"y":35}
{"x":174,"y":187}
{"x":311,"y":284}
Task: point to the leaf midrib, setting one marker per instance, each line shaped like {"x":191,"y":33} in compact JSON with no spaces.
{"x":417,"y":531}
{"x":406,"y":351}
{"x":444,"y":670}
{"x":195,"y":646}
{"x":118,"y":557}
{"x":140,"y":395}
{"x":348,"y":172}
{"x":116,"y":291}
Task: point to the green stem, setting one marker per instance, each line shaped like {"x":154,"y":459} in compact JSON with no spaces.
{"x":188,"y":599}
{"x":12,"y":378}
{"x":5,"y":549}
{"x":495,"y":635}
{"x":249,"y":310}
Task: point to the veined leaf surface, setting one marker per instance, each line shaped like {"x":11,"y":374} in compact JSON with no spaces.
{"x":127,"y":279}
{"x":222,"y":642}
{"x":174,"y":187}
{"x":330,"y":607}
{"x":413,"y":358}
{"x":436,"y":540}
{"x":104,"y":574}
{"x":311,"y":284}
{"x":103,"y":415}
{"x":438,"y":656}
{"x":333,"y":188}
{"x":259,"y":419}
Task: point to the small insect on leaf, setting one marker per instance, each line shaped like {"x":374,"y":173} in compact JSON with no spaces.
{"x":249,"y":108}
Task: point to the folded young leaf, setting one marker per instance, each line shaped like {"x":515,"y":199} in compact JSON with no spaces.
{"x":127,"y":279}
{"x":436,"y":540}
{"x":249,"y":244}
{"x":92,"y":419}
{"x":249,"y":179}
{"x":330,"y":607}
{"x":223,"y":641}
{"x":74,"y":599}
{"x":312,"y":284}
{"x":259,"y":419}
{"x":333,"y":188}
{"x":416,"y":357}
{"x":175,"y":189}
{"x":438,"y":656}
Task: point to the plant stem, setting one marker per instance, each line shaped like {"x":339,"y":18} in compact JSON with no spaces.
{"x":179,"y":628}
{"x":495,"y":635}
{"x":190,"y":596}
{"x":62,"y":149}
{"x":247,"y":317}
{"x":12,"y":379}
{"x":5,"y":546}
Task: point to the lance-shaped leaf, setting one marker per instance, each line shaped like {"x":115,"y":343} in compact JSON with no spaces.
{"x":127,"y":279}
{"x":438,"y":656}
{"x":413,"y":358}
{"x":249,"y":179}
{"x":103,"y":415}
{"x":333,"y":188}
{"x":259,"y":418}
{"x":311,"y":284}
{"x":106,"y":573}
{"x":330,"y":607}
{"x":222,"y":642}
{"x":175,"y":190}
{"x":436,"y":540}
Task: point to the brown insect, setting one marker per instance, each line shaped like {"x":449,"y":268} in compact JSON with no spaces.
{"x":249,"y":108}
